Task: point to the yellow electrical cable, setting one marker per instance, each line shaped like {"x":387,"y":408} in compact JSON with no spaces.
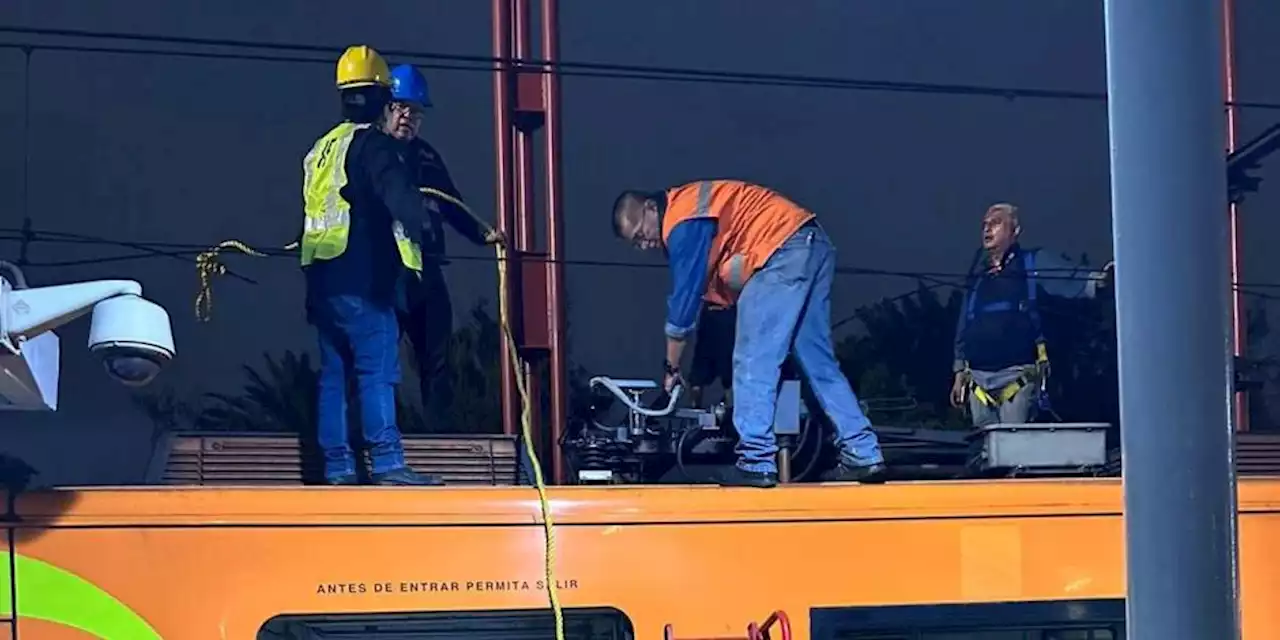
{"x":208,"y":266}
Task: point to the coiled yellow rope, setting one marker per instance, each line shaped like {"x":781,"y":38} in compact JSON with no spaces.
{"x":208,"y":266}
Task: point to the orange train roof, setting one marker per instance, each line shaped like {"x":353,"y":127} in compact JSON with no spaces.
{"x":178,"y":506}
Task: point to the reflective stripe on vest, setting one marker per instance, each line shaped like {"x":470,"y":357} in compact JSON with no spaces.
{"x":328,"y":215}
{"x":752,"y":222}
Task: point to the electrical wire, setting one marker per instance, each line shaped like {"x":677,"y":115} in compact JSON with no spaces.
{"x":208,"y":266}
{"x":179,"y":250}
{"x":488,"y":64}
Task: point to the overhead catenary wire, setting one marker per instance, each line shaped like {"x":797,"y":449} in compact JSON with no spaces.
{"x":487,"y":64}
{"x":208,"y":266}
{"x":322,"y":54}
{"x":189,"y":252}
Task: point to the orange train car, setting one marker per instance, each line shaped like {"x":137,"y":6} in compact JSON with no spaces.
{"x":982,"y":560}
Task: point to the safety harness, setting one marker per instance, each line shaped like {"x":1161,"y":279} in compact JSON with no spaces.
{"x":995,"y":398}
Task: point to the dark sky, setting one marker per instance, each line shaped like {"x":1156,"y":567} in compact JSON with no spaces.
{"x":173,"y":149}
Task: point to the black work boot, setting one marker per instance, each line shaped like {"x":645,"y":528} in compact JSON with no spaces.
{"x":849,"y":472}
{"x":406,"y":477}
{"x":346,"y":479}
{"x":736,"y":476}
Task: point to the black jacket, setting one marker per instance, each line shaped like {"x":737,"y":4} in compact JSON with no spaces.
{"x":430,"y":172}
{"x":380,"y":188}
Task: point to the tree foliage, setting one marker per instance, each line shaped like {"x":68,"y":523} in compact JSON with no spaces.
{"x":902,"y":360}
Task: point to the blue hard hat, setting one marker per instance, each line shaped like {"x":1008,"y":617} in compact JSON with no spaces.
{"x":408,"y":85}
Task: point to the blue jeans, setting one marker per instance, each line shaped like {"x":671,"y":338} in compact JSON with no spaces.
{"x":362,"y":338}
{"x":785,"y":308}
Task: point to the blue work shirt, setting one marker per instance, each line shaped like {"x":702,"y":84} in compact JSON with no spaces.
{"x":688,"y":252}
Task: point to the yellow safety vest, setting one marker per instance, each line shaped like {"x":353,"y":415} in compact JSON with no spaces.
{"x":328,"y":214}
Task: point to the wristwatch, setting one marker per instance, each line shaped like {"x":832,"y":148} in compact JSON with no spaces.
{"x":670,"y":369}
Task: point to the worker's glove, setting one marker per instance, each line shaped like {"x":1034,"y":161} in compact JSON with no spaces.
{"x":495,"y":237}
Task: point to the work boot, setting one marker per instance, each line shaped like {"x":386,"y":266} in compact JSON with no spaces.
{"x":736,"y":476}
{"x":847,"y":472}
{"x":342,"y":480}
{"x":406,"y":477}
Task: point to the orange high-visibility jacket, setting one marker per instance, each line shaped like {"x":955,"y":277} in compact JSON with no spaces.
{"x":752,"y":223}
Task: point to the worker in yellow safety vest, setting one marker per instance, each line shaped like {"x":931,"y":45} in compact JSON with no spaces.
{"x":363,"y":229}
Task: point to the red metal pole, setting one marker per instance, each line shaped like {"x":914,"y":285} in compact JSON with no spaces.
{"x":502,"y":135}
{"x":526,"y":227}
{"x":526,"y":224}
{"x":555,"y":237}
{"x":1238,"y":315}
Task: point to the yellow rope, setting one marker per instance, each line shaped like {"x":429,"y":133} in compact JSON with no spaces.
{"x":208,"y":266}
{"x":522,"y":386}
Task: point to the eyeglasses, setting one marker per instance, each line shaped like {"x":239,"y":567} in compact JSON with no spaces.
{"x":406,"y":108}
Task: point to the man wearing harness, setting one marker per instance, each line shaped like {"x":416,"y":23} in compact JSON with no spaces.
{"x":423,"y":305}
{"x":363,"y":226}
{"x":1001,"y":360}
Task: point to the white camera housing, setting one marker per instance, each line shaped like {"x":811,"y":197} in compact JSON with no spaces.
{"x":131,"y":335}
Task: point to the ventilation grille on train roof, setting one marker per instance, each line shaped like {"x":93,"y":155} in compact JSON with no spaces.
{"x":1257,"y":454}
{"x":283,"y":459}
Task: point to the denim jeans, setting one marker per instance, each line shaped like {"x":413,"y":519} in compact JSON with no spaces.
{"x":785,"y":308}
{"x":360,"y":338}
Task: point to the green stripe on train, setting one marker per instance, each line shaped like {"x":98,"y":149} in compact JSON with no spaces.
{"x":56,"y":595}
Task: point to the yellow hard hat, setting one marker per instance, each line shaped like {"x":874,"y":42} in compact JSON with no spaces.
{"x":361,"y":66}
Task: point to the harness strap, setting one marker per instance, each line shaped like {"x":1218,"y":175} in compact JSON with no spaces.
{"x":1003,"y":395}
{"x":1010,"y":390}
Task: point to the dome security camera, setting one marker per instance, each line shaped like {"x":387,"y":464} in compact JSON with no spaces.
{"x":130,"y":334}
{"x":133,"y":338}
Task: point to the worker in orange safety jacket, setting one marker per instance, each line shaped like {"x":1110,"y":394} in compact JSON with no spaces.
{"x":734,"y":243}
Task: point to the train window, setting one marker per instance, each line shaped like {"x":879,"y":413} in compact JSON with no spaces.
{"x":1052,"y":620}
{"x":579,"y":624}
